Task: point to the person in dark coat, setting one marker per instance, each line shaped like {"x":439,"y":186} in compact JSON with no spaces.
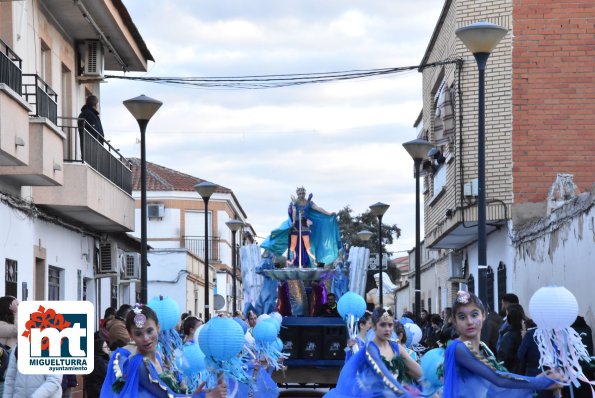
{"x":490,"y":330}
{"x":330,"y":308}
{"x":528,"y":357}
{"x":94,"y":380}
{"x":89,"y":120}
{"x":511,"y":338}
{"x":584,"y":390}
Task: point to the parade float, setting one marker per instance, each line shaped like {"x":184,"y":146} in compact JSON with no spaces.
{"x":298,"y":265}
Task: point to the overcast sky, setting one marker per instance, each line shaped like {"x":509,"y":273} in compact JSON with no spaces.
{"x":342,"y":140}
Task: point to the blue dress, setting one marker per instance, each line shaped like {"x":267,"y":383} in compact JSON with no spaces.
{"x":359,"y":343}
{"x":467,"y":374}
{"x":366,"y":375}
{"x":135,"y":376}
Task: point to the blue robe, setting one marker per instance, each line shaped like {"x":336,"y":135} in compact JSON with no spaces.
{"x":366,"y":376}
{"x":465,"y":375}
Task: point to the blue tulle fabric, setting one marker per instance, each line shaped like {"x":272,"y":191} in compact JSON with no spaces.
{"x":141,"y":381}
{"x":261,"y":385}
{"x":366,"y":376}
{"x":466,"y":376}
{"x":267,"y":298}
{"x":325,"y":239}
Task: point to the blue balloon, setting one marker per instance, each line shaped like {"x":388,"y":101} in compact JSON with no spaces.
{"x":167,"y":310}
{"x":221,"y":339}
{"x":192,"y":360}
{"x":265,"y":332}
{"x":274,"y":322}
{"x":430,"y":364}
{"x":351,"y":303}
{"x":404,"y":320}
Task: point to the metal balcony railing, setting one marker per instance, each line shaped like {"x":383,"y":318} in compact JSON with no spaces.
{"x":39,"y":94}
{"x":196,"y":246}
{"x":81,"y":145}
{"x":10,"y":68}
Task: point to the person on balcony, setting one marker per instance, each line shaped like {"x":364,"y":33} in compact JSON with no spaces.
{"x":89,"y":120}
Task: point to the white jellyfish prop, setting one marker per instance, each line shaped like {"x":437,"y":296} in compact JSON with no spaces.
{"x":554,"y":309}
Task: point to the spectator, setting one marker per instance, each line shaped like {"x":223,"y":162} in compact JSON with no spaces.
{"x":252,"y":319}
{"x":118,"y":335}
{"x":18,"y":385}
{"x":109,"y":314}
{"x":584,"y":390}
{"x":8,"y":320}
{"x":448,"y":331}
{"x":329,"y":309}
{"x":511,"y":338}
{"x":490,"y":329}
{"x":528,"y":357}
{"x":190,"y":325}
{"x":434,"y":331}
{"x":505,"y":301}
{"x":89,"y":120}
{"x":94,"y":380}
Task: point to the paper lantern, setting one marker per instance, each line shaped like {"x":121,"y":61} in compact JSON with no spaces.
{"x":273,"y":322}
{"x":553,"y":307}
{"x":404,"y":320}
{"x":278,"y":344}
{"x":278,"y":317}
{"x":351,"y":304}
{"x":430,"y":362}
{"x":265,"y":332}
{"x":221,"y":339}
{"x":167,"y":310}
{"x":242,"y":324}
{"x":414,"y":332}
{"x":192,"y":360}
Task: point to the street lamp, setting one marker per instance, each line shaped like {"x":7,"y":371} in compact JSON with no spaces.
{"x":364,"y":235}
{"x":234,"y":226}
{"x":481,"y":38}
{"x":378,"y":210}
{"x":418,"y":150}
{"x":205,"y":189}
{"x":143,"y":108}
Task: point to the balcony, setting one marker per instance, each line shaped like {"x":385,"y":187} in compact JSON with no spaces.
{"x":42,"y":98}
{"x":97,"y":183}
{"x":14,"y":123}
{"x":196,"y":246}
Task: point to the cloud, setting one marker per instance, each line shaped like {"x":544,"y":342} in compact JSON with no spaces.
{"x":342,"y":141}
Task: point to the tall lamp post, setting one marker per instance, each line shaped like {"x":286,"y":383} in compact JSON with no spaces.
{"x":205,"y":189}
{"x":378,"y":210}
{"x":481,"y":38}
{"x":418,"y":150}
{"x":143,"y":108}
{"x":234,"y":226}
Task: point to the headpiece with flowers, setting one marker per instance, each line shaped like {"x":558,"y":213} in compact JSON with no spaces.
{"x":463,"y":297}
{"x":139,"y":318}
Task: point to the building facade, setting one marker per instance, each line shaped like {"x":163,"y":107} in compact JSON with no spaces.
{"x":65,"y":212}
{"x":176,"y":232}
{"x":538,"y":124}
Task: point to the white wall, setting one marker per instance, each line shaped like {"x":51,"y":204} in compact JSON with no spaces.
{"x":162,"y":275}
{"x":562,"y":257}
{"x":166,"y":227}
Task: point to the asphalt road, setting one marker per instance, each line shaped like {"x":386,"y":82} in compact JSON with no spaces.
{"x":302,"y":393}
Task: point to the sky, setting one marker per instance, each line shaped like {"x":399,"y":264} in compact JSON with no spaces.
{"x":342,"y":141}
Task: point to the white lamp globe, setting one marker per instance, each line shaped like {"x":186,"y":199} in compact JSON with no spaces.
{"x":553,"y":307}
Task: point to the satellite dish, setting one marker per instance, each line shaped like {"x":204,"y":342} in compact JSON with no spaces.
{"x":219,"y":302}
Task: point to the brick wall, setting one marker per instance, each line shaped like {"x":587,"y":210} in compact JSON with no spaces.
{"x":553,"y":95}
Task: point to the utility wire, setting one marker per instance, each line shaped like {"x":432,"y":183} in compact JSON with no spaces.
{"x":258,"y":82}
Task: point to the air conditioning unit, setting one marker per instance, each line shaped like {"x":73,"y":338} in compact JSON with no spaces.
{"x":456,"y":269}
{"x":155,"y":210}
{"x":108,"y":259}
{"x":92,"y":58}
{"x":131,"y":266}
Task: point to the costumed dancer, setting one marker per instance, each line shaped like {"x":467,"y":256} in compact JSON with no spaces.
{"x":300,"y":210}
{"x":470,"y":368}
{"x":381,"y":369}
{"x":141,"y":372}
{"x":354,"y":345}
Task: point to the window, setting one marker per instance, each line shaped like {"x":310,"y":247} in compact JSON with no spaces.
{"x":490,"y":288}
{"x":429,"y":305}
{"x":85,"y":285}
{"x":471,"y":284}
{"x":114,"y":295}
{"x":501,"y":282}
{"x":79,"y":284}
{"x":54,"y":276}
{"x":45,"y":68}
{"x":11,"y":278}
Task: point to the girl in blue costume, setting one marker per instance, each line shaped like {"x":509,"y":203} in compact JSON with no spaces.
{"x":353,"y":346}
{"x":141,"y":373}
{"x":382,"y":369}
{"x":470,"y":368}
